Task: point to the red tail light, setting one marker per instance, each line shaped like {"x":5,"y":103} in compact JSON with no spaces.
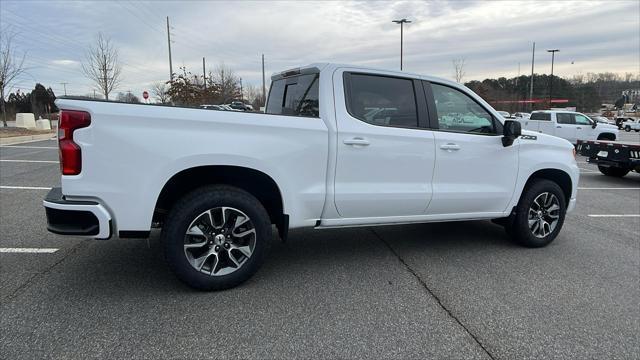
{"x":70,"y":153}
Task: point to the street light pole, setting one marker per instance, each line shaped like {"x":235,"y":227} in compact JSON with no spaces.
{"x":401,"y":22}
{"x":553,"y":55}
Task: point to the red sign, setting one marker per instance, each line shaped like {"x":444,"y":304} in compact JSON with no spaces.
{"x":145,"y":94}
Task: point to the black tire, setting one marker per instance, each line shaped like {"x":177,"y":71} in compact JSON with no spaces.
{"x":627,"y":128}
{"x":613,"y":171}
{"x":519,"y":230}
{"x":197,"y":202}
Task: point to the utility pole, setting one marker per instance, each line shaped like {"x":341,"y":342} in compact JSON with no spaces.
{"x":241,"y":93}
{"x":94,"y":94}
{"x":169,"y":43}
{"x":204,"y":74}
{"x":65,"y":87}
{"x":264,"y":88}
{"x":553,"y":53}
{"x":401,"y":22}
{"x":533,"y":58}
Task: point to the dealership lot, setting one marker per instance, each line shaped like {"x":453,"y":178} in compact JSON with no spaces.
{"x":456,"y":290}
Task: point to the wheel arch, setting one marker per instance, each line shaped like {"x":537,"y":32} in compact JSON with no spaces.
{"x":253,"y":181}
{"x":560,"y":177}
{"x":606,"y":136}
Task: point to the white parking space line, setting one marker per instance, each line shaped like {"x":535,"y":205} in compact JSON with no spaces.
{"x":25,"y":187}
{"x":28,"y":147}
{"x":608,"y":188}
{"x":614,"y":215}
{"x":32,"y":161}
{"x":28,"y":250}
{"x":588,"y":170}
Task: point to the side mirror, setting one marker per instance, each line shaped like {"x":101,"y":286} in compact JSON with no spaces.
{"x":595,"y":123}
{"x":511,"y":131}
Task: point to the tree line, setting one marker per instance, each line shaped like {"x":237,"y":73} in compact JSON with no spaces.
{"x":586,"y":92}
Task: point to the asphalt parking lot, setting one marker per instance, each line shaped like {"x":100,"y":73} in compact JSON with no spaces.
{"x":450,"y":290}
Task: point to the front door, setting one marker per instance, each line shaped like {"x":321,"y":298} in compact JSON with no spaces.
{"x":384,"y":161}
{"x":584,"y":129}
{"x":474,"y":172}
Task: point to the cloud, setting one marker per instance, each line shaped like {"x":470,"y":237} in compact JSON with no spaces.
{"x":65,"y":62}
{"x":494,"y":37}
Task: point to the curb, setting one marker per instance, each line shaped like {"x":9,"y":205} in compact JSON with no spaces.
{"x":26,"y":138}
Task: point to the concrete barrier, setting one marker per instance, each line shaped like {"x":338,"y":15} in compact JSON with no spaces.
{"x":43,"y":124}
{"x":25,"y":120}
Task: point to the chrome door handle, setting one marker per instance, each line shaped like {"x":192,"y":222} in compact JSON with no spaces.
{"x":356,"y":141}
{"x":579,"y":128}
{"x":450,"y":147}
{"x":558,"y":127}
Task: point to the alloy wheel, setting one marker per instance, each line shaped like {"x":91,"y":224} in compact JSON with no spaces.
{"x":544,"y":214}
{"x":219,"y":241}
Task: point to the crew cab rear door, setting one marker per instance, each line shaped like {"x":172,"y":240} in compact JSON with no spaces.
{"x":384,"y":159}
{"x":566,"y":127}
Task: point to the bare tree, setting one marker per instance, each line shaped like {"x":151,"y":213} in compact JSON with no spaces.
{"x":11,"y":66}
{"x":458,"y":68}
{"x":102,"y":65}
{"x":161,"y":92}
{"x":226,"y":82}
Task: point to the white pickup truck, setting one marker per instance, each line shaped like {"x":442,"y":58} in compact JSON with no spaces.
{"x":569,"y":125}
{"x":339,"y":146}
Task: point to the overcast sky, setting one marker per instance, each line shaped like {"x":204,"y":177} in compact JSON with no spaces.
{"x":494,"y":38}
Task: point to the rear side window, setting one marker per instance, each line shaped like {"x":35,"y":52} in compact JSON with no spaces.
{"x":381,"y":100}
{"x":565,"y":118}
{"x":540,"y":116}
{"x":296,"y":96}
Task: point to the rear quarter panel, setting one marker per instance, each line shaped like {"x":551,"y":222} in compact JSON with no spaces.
{"x":129,"y":152}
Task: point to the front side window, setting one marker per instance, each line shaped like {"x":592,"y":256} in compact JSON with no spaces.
{"x":564,"y":118}
{"x":381,"y":100}
{"x":582,"y":120}
{"x":296,"y":96}
{"x":459,"y":112}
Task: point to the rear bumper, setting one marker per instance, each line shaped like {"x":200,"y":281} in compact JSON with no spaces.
{"x":83,"y":218}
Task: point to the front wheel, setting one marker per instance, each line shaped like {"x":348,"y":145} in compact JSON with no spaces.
{"x":613,"y":171}
{"x":216,"y":237}
{"x":627,"y":128}
{"x":539,"y":215}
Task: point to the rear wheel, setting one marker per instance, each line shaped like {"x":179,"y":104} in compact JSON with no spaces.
{"x":216,"y":237}
{"x":539,"y":215}
{"x":627,"y":128}
{"x":613,"y":171}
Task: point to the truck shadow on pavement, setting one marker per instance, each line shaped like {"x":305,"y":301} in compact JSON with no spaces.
{"x":323,"y":256}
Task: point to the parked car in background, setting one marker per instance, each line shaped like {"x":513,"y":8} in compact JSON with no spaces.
{"x":569,"y":125}
{"x":228,"y":108}
{"x":620,"y":120}
{"x":522,"y":115}
{"x":321,"y":157}
{"x":212,"y":107}
{"x":602,"y":120}
{"x":504,"y":114}
{"x":238,"y":105}
{"x":632,"y":124}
